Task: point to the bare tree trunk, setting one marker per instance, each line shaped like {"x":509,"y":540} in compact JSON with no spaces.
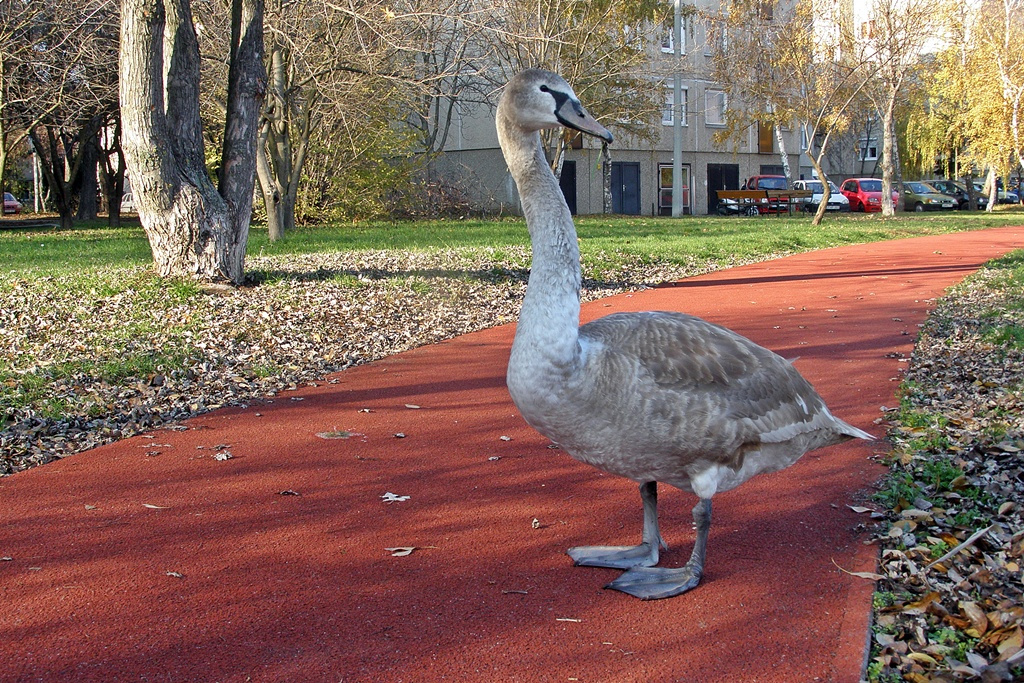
{"x":826,"y":190}
{"x":783,"y":154}
{"x":888,"y":209}
{"x":194,"y":229}
{"x":283,"y":142}
{"x":61,"y":164}
{"x":558,"y":163}
{"x":897,"y":173}
{"x":606,"y":176}
{"x":272,"y":201}
{"x":112,"y":172}
{"x":52,"y":166}
{"x":991,"y":189}
{"x":88,"y":185}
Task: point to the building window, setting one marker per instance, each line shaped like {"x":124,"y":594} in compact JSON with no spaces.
{"x":867,"y":149}
{"x":666,"y":113}
{"x":716,"y":38}
{"x":714,"y":107}
{"x":668,"y":41}
{"x":765,"y":138}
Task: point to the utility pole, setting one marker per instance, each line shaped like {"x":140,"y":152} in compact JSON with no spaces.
{"x":677,"y":115}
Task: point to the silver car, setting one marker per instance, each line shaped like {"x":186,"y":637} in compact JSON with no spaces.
{"x":836,"y":200}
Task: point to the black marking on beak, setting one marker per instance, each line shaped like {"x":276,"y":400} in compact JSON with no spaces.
{"x":566,"y":105}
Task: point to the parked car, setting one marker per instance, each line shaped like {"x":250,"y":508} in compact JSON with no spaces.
{"x":1007,"y":195}
{"x":769,"y":182}
{"x":836,"y":200}
{"x":127,"y":203}
{"x":918,"y":196}
{"x":1002,"y":197}
{"x":864,"y":194}
{"x":11,"y":204}
{"x":959,"y":191}
{"x":765,"y":182}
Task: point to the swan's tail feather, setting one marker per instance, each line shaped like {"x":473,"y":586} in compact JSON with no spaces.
{"x":851,"y":431}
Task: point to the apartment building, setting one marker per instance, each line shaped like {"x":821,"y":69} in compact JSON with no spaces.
{"x":641,"y":170}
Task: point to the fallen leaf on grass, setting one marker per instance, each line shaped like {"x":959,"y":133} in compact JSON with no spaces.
{"x":976,"y":615}
{"x":977,"y":662}
{"x":176,"y":575}
{"x":154,"y":507}
{"x":412,"y":406}
{"x":1010,"y":645}
{"x":919,"y":606}
{"x":860,"y":575}
{"x":923,"y":659}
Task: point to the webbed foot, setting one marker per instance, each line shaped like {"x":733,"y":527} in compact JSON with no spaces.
{"x":626,"y":556}
{"x":654,"y":583}
{"x":615,"y":556}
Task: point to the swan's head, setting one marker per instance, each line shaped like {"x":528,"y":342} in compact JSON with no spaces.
{"x":536,"y":99}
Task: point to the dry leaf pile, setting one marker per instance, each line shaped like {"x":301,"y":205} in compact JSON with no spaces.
{"x":102,"y":356}
{"x":950,"y":605}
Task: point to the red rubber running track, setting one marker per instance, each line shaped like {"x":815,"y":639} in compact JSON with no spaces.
{"x":150,"y":560}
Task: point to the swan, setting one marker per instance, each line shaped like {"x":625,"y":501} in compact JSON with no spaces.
{"x":651,"y":396}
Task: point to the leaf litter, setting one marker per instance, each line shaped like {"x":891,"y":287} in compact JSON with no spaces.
{"x":949,"y":605}
{"x":299,"y":318}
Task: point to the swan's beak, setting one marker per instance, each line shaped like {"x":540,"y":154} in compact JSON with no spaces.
{"x":571,"y":114}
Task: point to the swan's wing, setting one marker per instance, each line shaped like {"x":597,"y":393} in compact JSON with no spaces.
{"x":680,"y":350}
{"x":741,"y":381}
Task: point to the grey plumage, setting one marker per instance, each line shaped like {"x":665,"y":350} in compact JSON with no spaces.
{"x":654,"y":396}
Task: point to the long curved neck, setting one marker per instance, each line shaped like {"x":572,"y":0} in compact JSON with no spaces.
{"x":549,"y":319}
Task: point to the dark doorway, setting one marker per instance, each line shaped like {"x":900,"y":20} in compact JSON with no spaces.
{"x":567,"y":181}
{"x":721,"y":177}
{"x":626,"y":187}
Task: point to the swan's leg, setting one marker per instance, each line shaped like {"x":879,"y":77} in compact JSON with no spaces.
{"x":658,"y":582}
{"x":624,"y":557}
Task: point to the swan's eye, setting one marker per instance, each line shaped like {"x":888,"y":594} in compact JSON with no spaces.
{"x":545,"y":88}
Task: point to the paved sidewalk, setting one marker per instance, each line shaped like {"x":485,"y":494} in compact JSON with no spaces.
{"x":152,"y":560}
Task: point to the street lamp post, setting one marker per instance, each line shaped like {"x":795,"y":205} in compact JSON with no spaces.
{"x":677,"y":115}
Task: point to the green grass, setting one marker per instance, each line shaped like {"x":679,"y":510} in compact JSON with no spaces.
{"x":1007,"y":276}
{"x":91,"y":263}
{"x":603,"y":240}
{"x":898,"y":489}
{"x":19,"y":390}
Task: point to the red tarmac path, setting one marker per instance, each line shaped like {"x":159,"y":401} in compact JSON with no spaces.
{"x":132,"y":566}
